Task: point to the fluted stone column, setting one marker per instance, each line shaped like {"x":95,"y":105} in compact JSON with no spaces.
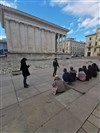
{"x":18,"y":36}
{"x":65,"y":43}
{"x":48,"y":41}
{"x":58,"y":42}
{"x":62,"y":42}
{"x":23,"y":37}
{"x":30,"y":38}
{"x":39,"y":40}
{"x":42,"y":40}
{"x":36,"y":39}
{"x":8,"y":35}
{"x":45,"y":41}
{"x":13,"y":34}
{"x":40,"y":34}
{"x":53,"y":42}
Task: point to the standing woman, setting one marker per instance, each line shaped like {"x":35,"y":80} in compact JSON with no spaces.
{"x":55,"y":65}
{"x":25,"y":72}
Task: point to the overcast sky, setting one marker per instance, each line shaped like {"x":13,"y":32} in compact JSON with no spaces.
{"x":81,"y":17}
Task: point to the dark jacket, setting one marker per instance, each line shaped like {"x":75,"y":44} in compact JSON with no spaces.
{"x":73,"y":75}
{"x":24,"y":68}
{"x":55,"y":64}
{"x":66,"y":77}
{"x":87,"y":74}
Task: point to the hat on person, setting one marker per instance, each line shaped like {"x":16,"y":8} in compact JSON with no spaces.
{"x":56,"y":77}
{"x":23,"y":60}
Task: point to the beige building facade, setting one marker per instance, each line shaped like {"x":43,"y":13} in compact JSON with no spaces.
{"x":92,"y":47}
{"x":72,"y":47}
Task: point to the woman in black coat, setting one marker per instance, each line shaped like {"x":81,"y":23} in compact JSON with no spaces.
{"x":25,"y":72}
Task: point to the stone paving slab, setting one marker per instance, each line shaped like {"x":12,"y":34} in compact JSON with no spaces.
{"x":46,"y":78}
{"x":43,"y":72}
{"x":7,"y":100}
{"x":68,"y":97}
{"x":63,"y":122}
{"x":84,"y":105}
{"x":81,"y":131}
{"x":26,"y":93}
{"x":6,"y":89}
{"x":17,"y":82}
{"x":6,"y":82}
{"x":93,"y":81}
{"x":96,"y":113}
{"x":38,"y":110}
{"x":98,"y":107}
{"x":90,"y":128}
{"x":95,"y":121}
{"x":94,"y":92}
{"x":34,"y":80}
{"x":81,"y":86}
{"x":39,"y":82}
{"x":12,"y":120}
{"x":44,"y":87}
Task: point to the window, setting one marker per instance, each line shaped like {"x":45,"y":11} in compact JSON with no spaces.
{"x":1,"y":51}
{"x":89,"y":44}
{"x":89,"y":49}
{"x":88,"y":54}
{"x":95,"y":50}
{"x":90,"y":38}
{"x":63,"y":50}
{"x":95,"y":43}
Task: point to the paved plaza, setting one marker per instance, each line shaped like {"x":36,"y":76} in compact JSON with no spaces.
{"x":36,"y":110}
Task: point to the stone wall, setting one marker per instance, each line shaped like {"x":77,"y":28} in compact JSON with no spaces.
{"x":12,"y":61}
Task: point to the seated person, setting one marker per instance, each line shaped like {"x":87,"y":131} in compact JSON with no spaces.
{"x":94,"y":70}
{"x":72,"y":74}
{"x":81,"y":75}
{"x":66,"y":76}
{"x":58,"y":85}
{"x":90,"y":71}
{"x":86,"y":72}
{"x":96,"y":67}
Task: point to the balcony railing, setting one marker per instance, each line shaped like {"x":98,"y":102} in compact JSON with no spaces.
{"x":89,"y":46}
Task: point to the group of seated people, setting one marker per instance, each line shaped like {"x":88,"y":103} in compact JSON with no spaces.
{"x":84,"y":74}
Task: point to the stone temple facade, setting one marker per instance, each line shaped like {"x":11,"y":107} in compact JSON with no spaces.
{"x":29,"y":35}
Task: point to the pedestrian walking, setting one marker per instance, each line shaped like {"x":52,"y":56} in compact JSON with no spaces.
{"x":25,"y":72}
{"x":55,"y":65}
